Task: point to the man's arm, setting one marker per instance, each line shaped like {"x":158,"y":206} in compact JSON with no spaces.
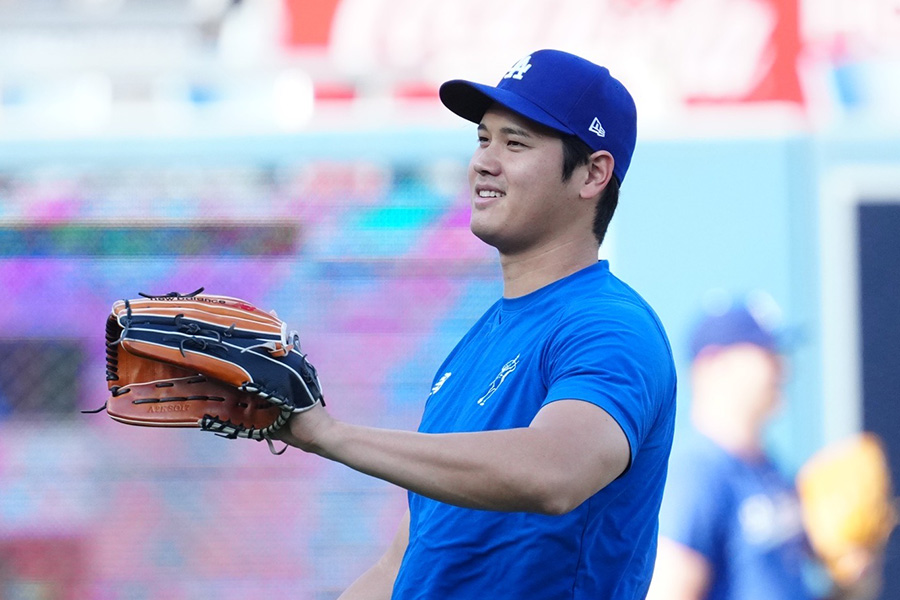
{"x":378,"y":582}
{"x":680,"y":573}
{"x":571,"y":450}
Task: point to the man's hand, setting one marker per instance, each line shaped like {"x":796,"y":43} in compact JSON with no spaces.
{"x":378,"y":582}
{"x":681,"y":573}
{"x":308,"y":430}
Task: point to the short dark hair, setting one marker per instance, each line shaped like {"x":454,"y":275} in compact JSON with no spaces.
{"x":575,"y":154}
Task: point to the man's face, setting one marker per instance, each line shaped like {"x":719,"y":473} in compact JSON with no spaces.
{"x":519,"y":201}
{"x":744,"y":378}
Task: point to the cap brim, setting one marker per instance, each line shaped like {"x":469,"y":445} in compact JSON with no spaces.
{"x":471,"y":100}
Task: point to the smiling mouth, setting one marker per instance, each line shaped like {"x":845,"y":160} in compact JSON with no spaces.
{"x":490,"y":194}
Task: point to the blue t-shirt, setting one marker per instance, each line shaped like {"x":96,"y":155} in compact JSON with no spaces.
{"x":586,"y":337}
{"x":743,"y":516}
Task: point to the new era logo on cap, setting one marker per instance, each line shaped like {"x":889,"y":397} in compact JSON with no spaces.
{"x":561,"y":91}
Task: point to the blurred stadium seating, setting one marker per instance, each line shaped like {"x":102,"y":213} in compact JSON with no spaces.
{"x":293,"y":153}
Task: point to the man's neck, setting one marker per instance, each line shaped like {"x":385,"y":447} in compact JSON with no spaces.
{"x":528,"y":272}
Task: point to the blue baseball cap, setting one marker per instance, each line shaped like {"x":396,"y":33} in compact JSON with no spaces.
{"x":739,"y":323}
{"x":562,"y":91}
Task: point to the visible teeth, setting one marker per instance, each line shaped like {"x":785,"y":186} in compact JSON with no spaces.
{"x":489,"y":194}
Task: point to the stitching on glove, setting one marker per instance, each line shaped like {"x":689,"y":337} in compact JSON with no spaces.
{"x":178,"y":399}
{"x":199,"y":344}
{"x":172,"y":294}
{"x":230,"y":430}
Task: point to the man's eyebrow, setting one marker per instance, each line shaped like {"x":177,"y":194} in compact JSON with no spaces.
{"x":509,"y":130}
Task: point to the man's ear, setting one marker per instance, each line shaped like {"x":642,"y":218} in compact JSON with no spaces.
{"x":599,"y":172}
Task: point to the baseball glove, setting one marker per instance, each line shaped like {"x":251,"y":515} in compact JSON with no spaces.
{"x":848,"y":505}
{"x":213,"y":362}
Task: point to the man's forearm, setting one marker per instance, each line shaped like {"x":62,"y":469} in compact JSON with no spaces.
{"x":470,"y":470}
{"x":547,"y":469}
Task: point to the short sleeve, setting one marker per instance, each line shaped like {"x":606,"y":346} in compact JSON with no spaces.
{"x":617,"y":358}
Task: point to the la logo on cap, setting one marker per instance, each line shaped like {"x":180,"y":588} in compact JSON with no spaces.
{"x":519,"y":69}
{"x":564,"y":92}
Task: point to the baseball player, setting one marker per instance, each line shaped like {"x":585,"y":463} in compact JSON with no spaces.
{"x":539,"y":465}
{"x":731,"y":524}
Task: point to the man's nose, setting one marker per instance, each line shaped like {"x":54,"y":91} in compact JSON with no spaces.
{"x":485,"y":161}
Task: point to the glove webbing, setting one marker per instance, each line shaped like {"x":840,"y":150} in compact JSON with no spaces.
{"x":229,"y":430}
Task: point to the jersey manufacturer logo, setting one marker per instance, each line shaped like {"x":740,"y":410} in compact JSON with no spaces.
{"x":440,"y":382}
{"x":597,"y":128}
{"x":519,"y":69}
{"x":505,"y":370}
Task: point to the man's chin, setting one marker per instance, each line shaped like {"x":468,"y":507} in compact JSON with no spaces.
{"x":484,"y":234}
{"x":492,"y":237}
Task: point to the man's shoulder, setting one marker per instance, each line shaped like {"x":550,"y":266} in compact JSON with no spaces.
{"x":602,"y":292}
{"x":617,"y":310}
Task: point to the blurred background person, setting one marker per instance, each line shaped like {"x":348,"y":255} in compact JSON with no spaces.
{"x":731,"y":524}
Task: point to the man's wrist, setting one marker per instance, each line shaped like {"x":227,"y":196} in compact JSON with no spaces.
{"x":311,"y":431}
